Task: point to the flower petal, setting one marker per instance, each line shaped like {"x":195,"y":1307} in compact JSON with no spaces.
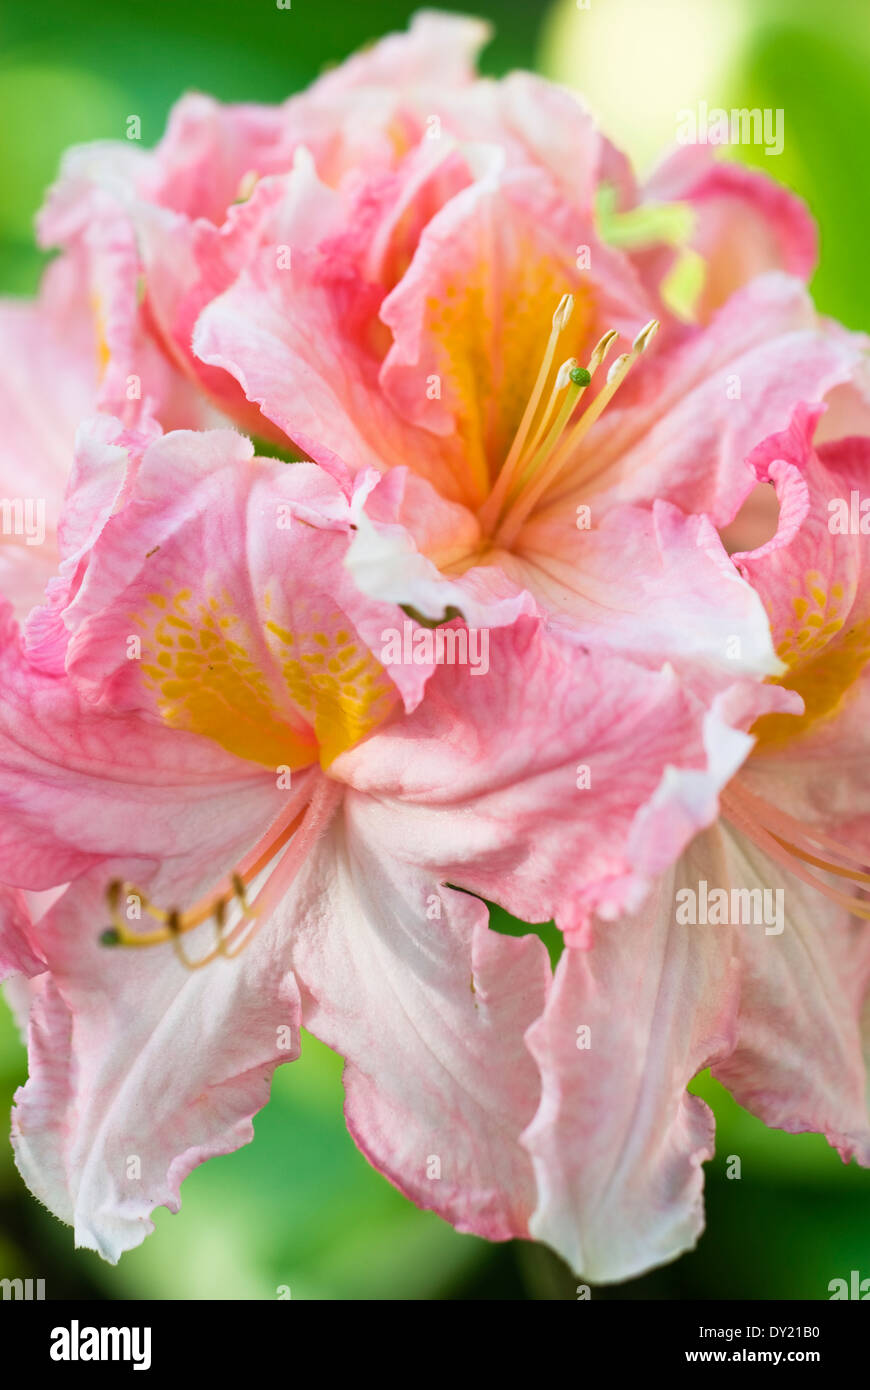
{"x":140,"y":1070}
{"x":746,"y":223}
{"x":797,"y":1061}
{"x":401,"y":975}
{"x":524,"y":782}
{"x":617,"y":1142}
{"x":226,"y":574}
{"x":46,"y":346}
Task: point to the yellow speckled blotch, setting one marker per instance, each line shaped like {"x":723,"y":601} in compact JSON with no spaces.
{"x":823,"y":656}
{"x":332,"y":677}
{"x":197,"y":659}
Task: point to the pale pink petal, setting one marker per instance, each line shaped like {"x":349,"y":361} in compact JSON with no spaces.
{"x":549,"y":746}
{"x":811,"y":575}
{"x":746,"y":223}
{"x":77,"y":788}
{"x":48,"y":351}
{"x":474,"y":312}
{"x":401,"y":975}
{"x":19,"y":952}
{"x":228,"y":571}
{"x":797,"y":1061}
{"x":140,"y":1069}
{"x":618,"y":1142}
{"x":690,"y":605}
{"x":437,"y":48}
{"x":388,"y":561}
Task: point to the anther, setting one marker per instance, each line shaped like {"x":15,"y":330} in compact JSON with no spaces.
{"x":492,"y":505}
{"x":175,"y":925}
{"x":564,"y":310}
{"x":556,"y":452}
{"x":645,"y":336}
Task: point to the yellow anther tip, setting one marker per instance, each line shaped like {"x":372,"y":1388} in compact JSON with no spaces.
{"x":564,"y":310}
{"x":618,"y":366}
{"x":645,"y":336}
{"x":564,"y":373}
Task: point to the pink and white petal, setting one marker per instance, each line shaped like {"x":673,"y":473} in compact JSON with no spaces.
{"x":848,"y":411}
{"x":618,"y":1142}
{"x":94,"y":181}
{"x":89,"y":212}
{"x":140,"y":1069}
{"x":390,"y":563}
{"x":746,"y":223}
{"x":551,"y":748}
{"x":401,"y":975}
{"x":78,"y":786}
{"x":229,"y":571}
{"x":811,"y":574}
{"x":189,"y":262}
{"x":820,"y":775}
{"x":681,"y":599}
{"x":48,"y":353}
{"x":539,"y":124}
{"x":299,"y":340}
{"x":207,"y":150}
{"x":797,"y":1062}
{"x":437,"y":49}
{"x":19,"y":952}
{"x":685,"y":420}
{"x":687,"y":798}
{"x":105,"y":460}
{"x":474,"y":311}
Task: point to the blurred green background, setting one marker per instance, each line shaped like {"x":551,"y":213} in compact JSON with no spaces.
{"x":300,"y":1207}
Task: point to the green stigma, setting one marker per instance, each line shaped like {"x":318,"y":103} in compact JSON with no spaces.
{"x":580,"y":376}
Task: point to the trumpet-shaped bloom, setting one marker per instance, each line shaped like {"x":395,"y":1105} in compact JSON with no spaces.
{"x":234,"y":759}
{"x":202,"y":738}
{"x":768,"y":994}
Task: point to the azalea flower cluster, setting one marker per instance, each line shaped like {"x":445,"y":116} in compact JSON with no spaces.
{"x":415,"y":354}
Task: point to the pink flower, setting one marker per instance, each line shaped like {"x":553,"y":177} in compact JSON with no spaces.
{"x":413,"y":282}
{"x":197,"y":727}
{"x":349,"y":205}
{"x":402,"y":269}
{"x":446,"y":293}
{"x":767,"y":992}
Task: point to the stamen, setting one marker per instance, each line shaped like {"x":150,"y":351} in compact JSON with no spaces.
{"x":576,"y":379}
{"x":247,"y":184}
{"x":563,"y":376}
{"x":294,"y":834}
{"x":569,"y":372}
{"x":489,"y":511}
{"x":178,"y":924}
{"x":545,"y":467}
{"x":760,"y":821}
